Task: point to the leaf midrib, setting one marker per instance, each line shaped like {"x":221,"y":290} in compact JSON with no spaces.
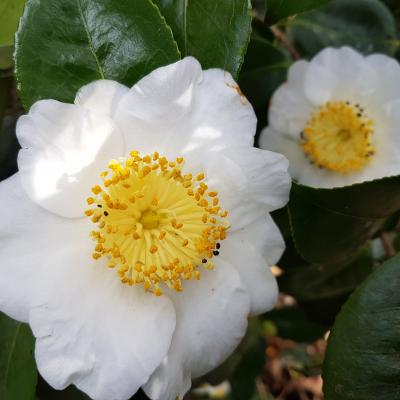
{"x":90,"y":41}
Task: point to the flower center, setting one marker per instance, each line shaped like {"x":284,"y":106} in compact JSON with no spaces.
{"x":338,"y":137}
{"x":156,"y":226}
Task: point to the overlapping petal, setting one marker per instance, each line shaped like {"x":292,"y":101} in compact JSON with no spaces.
{"x":211,"y":320}
{"x":64,"y":148}
{"x":179,"y":108}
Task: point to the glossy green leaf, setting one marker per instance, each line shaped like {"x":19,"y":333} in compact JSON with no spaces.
{"x":18,"y":375}
{"x":330,"y":225}
{"x":362,"y":360}
{"x":366,"y":25}
{"x":280,"y":9}
{"x":216,"y":32}
{"x":264,"y":69}
{"x":63,"y":45}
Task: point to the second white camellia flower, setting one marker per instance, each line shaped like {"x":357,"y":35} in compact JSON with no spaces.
{"x":153,"y":287}
{"x":337,"y":118}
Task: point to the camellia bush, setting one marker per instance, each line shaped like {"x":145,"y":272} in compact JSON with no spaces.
{"x":199,"y":199}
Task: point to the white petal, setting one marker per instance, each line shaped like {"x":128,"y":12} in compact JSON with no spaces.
{"x":211,"y":320}
{"x":92,"y":331}
{"x":178,"y":108}
{"x":265,"y":185}
{"x":64,"y":149}
{"x":290,"y":109}
{"x":337,"y":74}
{"x":387,"y":82}
{"x":243,"y":250}
{"x":25,"y":235}
{"x":266,"y":238}
{"x":102,"y":96}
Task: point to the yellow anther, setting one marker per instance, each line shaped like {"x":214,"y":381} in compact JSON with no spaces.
{"x":96,"y":189}
{"x":156,"y":156}
{"x":162,"y":235}
{"x":89,"y":213}
{"x":200,"y":177}
{"x":153,"y":249}
{"x":90,"y":200}
{"x":212,"y":194}
{"x":185,"y":243}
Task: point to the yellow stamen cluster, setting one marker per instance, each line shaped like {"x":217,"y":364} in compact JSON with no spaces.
{"x":338,"y":137}
{"x":156,"y":225}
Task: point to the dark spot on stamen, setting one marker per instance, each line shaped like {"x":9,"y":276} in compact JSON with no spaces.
{"x":218,"y":246}
{"x":359,"y":115}
{"x":302,"y":135}
{"x":204,"y":260}
{"x":216,"y":253}
{"x":106,"y":213}
{"x":99,"y":205}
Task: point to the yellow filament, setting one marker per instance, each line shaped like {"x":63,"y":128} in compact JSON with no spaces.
{"x":338,"y":137}
{"x":154,"y":225}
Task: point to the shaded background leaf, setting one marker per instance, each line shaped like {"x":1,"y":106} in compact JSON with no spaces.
{"x":10,"y":12}
{"x":280,"y":9}
{"x":18,"y":374}
{"x":330,"y":225}
{"x":366,"y":25}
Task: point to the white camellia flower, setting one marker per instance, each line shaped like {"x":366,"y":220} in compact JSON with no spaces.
{"x":153,"y":287}
{"x":337,"y":118}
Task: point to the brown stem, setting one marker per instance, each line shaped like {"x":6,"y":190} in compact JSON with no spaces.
{"x":280,"y":35}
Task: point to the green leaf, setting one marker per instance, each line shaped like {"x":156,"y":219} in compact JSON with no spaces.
{"x":264,"y":69}
{"x":366,"y":25}
{"x":10,"y":12}
{"x":280,"y":9}
{"x":63,"y":45}
{"x":329,"y":225}
{"x":18,"y":375}
{"x":362,"y":360}
{"x":214,"y":32}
